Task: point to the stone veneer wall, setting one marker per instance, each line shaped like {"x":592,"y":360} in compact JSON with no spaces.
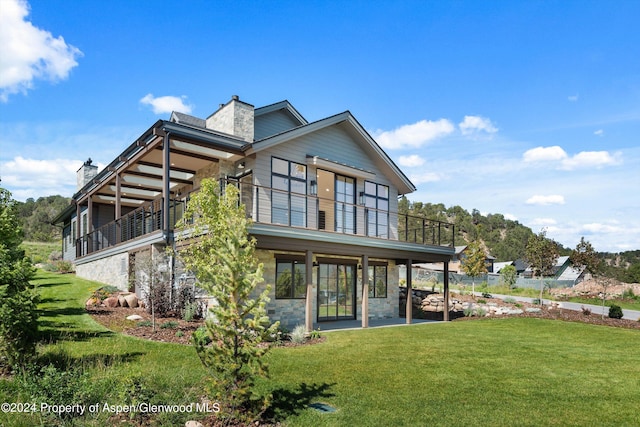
{"x":291,"y":312}
{"x":113,"y":270}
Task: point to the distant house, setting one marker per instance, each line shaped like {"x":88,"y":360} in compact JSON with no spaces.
{"x":498,"y":266}
{"x":322,"y":196}
{"x":563,"y":270}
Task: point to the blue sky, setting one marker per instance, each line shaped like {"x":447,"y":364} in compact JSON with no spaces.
{"x":528,"y":109}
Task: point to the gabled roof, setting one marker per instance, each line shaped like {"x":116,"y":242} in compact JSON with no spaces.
{"x":400,"y":180}
{"x":282,"y":105}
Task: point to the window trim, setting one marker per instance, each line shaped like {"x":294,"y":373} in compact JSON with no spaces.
{"x":372,"y":280}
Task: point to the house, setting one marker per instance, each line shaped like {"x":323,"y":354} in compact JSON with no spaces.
{"x":322,"y":196}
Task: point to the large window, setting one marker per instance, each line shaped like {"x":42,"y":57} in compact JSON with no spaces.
{"x":345,"y":205}
{"x":288,"y":200}
{"x":377,"y":203}
{"x":377,"y":281}
{"x":291,"y":279}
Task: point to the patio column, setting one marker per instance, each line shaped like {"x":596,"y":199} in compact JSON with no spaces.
{"x":166,"y":187}
{"x":89,"y":214}
{"x":118,"y":211}
{"x":365,"y":291}
{"x":308,"y":308}
{"x":446,"y":292}
{"x":78,"y":231}
{"x":409,"y":307}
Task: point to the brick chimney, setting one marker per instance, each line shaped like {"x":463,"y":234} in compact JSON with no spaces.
{"x":234,"y":118}
{"x":86,"y":173}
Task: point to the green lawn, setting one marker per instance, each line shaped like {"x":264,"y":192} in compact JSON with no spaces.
{"x":492,"y":372}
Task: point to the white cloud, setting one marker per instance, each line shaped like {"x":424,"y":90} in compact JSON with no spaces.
{"x":411,"y":161}
{"x":599,"y":132}
{"x":584,"y":159}
{"x":414,"y":135}
{"x":510,"y":217}
{"x":477,"y":125}
{"x":573,"y":98}
{"x":544,"y":154}
{"x":544,"y":221}
{"x":596,"y":227}
{"x":553,"y":199}
{"x":590,"y":159}
{"x":29,"y":53}
{"x":166,"y":104}
{"x":426,"y":177}
{"x":35,"y":178}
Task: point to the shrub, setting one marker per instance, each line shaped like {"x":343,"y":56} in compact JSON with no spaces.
{"x":486,"y":295}
{"x":169,"y":325}
{"x":145,"y":323}
{"x":628,"y":294}
{"x":533,"y":310}
{"x":315,"y":334}
{"x":179,"y":334}
{"x":481,"y":312}
{"x":482,"y":301}
{"x":298,"y":335}
{"x":510,"y":300}
{"x":615,"y":311}
{"x":190,"y":311}
{"x":518,"y":305}
{"x":586,"y":311}
{"x":64,"y":266}
{"x":201,"y":336}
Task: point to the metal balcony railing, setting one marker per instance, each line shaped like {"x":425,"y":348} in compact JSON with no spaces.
{"x":266,"y":205}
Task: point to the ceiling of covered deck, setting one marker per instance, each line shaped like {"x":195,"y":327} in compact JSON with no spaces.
{"x":141,"y":175}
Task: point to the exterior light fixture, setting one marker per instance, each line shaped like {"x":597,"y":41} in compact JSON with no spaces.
{"x":313,"y":188}
{"x":361,"y":198}
{"x":241,"y":165}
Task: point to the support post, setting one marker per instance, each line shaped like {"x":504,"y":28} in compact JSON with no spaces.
{"x":365,"y":291}
{"x":166,"y":187}
{"x":308,"y":307}
{"x":409,"y":307}
{"x":445,"y":312}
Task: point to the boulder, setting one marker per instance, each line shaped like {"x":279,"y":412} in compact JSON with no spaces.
{"x":92,"y":302}
{"x":111,"y":302}
{"x":193,"y":424}
{"x":131,"y":300}
{"x":121,"y":300}
{"x":134,"y":317}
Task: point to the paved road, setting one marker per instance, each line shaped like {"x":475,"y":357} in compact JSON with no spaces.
{"x":595,"y":309}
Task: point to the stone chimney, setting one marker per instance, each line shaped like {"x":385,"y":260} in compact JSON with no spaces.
{"x":234,"y":118}
{"x":86,"y":173}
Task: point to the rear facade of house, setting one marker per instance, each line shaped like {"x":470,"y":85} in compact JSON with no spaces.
{"x":322,"y":195}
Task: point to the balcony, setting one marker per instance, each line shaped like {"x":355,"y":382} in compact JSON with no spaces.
{"x":266,"y":205}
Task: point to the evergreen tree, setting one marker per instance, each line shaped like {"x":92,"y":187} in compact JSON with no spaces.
{"x":18,"y":298}
{"x":218,"y":250}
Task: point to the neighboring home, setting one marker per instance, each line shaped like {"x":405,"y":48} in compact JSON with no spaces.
{"x":563,"y":270}
{"x":497,"y":266}
{"x":322,"y":197}
{"x":455,"y":265}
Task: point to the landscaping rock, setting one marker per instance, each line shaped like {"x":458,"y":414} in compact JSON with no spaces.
{"x":111,"y":302}
{"x":121,"y":300}
{"x":132,"y":300}
{"x":135,"y":317}
{"x":193,"y":424}
{"x":92,"y":302}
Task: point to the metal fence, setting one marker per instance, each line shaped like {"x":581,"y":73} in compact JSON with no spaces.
{"x":429,"y":277}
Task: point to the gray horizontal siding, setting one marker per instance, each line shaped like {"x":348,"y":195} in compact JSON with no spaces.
{"x":273,"y":123}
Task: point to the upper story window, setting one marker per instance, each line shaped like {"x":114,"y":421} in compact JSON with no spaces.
{"x":288,"y":200}
{"x":376,"y":199}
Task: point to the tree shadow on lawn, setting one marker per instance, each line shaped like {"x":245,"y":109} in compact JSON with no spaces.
{"x":52,"y":332}
{"x":289,"y":402}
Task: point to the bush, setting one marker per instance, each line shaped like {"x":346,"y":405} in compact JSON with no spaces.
{"x":628,"y":294}
{"x":315,"y":334}
{"x":615,"y":311}
{"x":201,"y":336}
{"x":145,"y":323}
{"x":486,"y":295}
{"x":586,"y":311}
{"x":299,"y":334}
{"x":169,"y":325}
{"x":482,"y":301}
{"x":510,"y":300}
{"x":190,"y":311}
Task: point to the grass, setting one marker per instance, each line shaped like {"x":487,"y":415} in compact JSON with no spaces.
{"x":518,"y":371}
{"x":40,"y":251}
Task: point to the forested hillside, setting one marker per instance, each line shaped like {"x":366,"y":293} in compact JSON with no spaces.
{"x":506,"y":239}
{"x":36,"y":216}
